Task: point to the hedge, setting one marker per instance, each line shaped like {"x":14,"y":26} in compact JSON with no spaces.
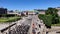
{"x":8,"y":15}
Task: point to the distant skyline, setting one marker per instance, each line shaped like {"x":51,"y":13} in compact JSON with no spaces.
{"x":28,"y":4}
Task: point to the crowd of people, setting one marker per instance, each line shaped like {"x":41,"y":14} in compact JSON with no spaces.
{"x":20,"y":29}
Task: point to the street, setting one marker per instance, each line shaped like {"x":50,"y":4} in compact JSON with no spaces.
{"x":27,"y":25}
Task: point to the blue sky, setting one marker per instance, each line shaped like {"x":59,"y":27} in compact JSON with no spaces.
{"x":29,"y":4}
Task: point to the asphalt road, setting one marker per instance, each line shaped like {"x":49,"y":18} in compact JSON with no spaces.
{"x":27,"y":21}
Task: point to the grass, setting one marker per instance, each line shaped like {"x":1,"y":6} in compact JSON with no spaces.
{"x":56,"y":24}
{"x":9,"y":19}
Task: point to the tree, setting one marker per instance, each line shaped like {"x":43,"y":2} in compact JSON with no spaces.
{"x":49,"y":11}
{"x":53,"y":12}
{"x":47,"y":19}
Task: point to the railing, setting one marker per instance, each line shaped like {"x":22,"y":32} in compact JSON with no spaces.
{"x":5,"y":29}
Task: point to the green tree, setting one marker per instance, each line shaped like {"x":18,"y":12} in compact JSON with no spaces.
{"x":47,"y":19}
{"x":53,"y":12}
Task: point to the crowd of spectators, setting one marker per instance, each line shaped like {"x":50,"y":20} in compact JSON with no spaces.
{"x":20,"y":29}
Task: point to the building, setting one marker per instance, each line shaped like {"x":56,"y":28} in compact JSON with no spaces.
{"x":11,"y":12}
{"x":28,"y":12}
{"x":31,"y":12}
{"x":40,"y":11}
{"x":14,"y":13}
{"x":58,"y":8}
{"x":3,"y":11}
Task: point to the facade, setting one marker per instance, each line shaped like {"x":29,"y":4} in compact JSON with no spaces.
{"x":11,"y":12}
{"x":58,"y":11}
{"x":3,"y":11}
{"x":40,"y":11}
{"x":28,"y":12}
{"x":31,"y":12}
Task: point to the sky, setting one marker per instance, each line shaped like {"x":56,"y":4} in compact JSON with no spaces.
{"x":28,"y":4}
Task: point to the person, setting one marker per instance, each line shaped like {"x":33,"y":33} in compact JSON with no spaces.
{"x":39,"y":26}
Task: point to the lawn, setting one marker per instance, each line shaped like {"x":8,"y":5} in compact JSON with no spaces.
{"x":9,"y":19}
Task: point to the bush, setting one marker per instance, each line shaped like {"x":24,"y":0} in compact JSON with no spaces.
{"x":7,"y":15}
{"x":10,"y":15}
